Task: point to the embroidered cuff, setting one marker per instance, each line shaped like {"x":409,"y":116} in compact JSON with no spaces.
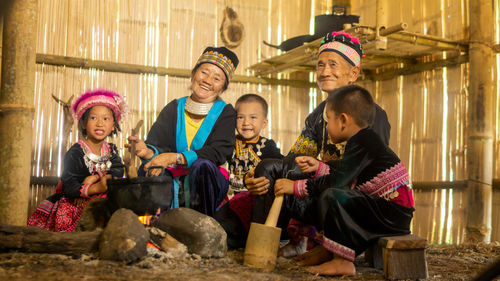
{"x":338,"y":249}
{"x":299,"y":188}
{"x":84,"y":190}
{"x":323,"y":170}
{"x":190,"y":156}
{"x":144,"y":161}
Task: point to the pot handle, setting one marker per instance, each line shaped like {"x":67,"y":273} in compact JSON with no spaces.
{"x":155,"y":167}
{"x":339,"y":10}
{"x":120,"y":165}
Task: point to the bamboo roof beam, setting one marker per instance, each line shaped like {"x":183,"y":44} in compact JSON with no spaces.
{"x":412,"y":67}
{"x":158,"y":70}
{"x":430,"y":41}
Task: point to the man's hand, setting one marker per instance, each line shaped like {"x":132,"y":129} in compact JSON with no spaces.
{"x":256,"y":186}
{"x":283,"y":186}
{"x":163,"y":160}
{"x":307,"y":164}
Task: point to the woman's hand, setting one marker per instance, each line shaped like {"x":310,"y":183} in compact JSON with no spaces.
{"x":256,"y":186}
{"x":163,"y":160}
{"x":307,"y":164}
{"x":283,"y":186}
{"x":141,"y":149}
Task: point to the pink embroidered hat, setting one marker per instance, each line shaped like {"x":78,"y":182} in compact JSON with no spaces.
{"x":107,"y":98}
{"x":345,"y":45}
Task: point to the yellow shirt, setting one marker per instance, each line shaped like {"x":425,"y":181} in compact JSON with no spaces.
{"x":191,"y":128}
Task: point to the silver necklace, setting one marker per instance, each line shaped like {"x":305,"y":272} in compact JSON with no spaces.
{"x":197,"y":108}
{"x":97,"y":163}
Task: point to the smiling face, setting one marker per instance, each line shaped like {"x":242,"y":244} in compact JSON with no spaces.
{"x":100,"y":123}
{"x":333,"y":71}
{"x":250,"y":120}
{"x":207,"y":83}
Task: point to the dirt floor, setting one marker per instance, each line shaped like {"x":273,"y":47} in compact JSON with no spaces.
{"x":444,"y":262}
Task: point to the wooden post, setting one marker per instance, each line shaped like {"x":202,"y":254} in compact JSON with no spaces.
{"x":381,"y":41}
{"x":16,"y":109}
{"x":480,"y":122}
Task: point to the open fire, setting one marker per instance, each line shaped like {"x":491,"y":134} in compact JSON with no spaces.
{"x":146,"y":219}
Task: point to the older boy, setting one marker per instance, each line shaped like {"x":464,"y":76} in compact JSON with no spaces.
{"x":354,"y":200}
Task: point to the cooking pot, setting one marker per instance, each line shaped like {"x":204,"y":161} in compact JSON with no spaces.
{"x":323,"y":24}
{"x":143,"y":195}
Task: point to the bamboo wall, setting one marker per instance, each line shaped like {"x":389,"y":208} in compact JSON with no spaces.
{"x":427,"y":110}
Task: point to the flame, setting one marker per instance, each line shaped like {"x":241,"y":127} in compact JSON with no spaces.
{"x":146,"y":219}
{"x":151,"y":245}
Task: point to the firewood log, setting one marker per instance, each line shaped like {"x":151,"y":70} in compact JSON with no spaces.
{"x":36,"y":240}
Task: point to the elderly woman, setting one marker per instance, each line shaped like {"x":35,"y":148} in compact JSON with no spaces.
{"x":194,"y":135}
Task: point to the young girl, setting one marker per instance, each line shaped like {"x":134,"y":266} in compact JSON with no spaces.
{"x":87,"y":164}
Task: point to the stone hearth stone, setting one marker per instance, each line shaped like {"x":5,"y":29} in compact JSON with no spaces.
{"x":124,"y":238}
{"x":95,"y":215}
{"x":202,"y":234}
{"x":167,"y":243}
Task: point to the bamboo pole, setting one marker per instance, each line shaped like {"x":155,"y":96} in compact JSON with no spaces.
{"x":162,"y":71}
{"x":410,"y":68}
{"x":16,"y":109}
{"x":480,"y":122}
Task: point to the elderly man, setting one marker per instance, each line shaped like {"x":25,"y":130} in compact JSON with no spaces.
{"x":338,"y":65}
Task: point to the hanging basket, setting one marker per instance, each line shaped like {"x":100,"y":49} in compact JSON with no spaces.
{"x":232,"y":31}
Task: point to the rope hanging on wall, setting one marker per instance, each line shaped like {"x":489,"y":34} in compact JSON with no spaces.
{"x":232,"y":31}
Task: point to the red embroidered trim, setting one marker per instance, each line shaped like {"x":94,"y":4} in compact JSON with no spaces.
{"x":323,"y":170}
{"x":338,"y":249}
{"x":299,"y":188}
{"x":84,"y":191}
{"x":387,"y":182}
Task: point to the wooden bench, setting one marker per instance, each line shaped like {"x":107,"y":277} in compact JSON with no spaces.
{"x":401,"y":257}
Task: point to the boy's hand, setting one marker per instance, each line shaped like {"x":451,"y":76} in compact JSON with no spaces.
{"x":283,"y":186}
{"x":141,"y":149}
{"x":256,"y":186}
{"x":163,"y":160}
{"x":307,"y":164}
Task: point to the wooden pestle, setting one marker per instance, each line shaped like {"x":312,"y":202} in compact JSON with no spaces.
{"x":263,"y":240}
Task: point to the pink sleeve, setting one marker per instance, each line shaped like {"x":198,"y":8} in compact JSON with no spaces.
{"x":84,"y":190}
{"x":299,"y":188}
{"x":323,"y":170}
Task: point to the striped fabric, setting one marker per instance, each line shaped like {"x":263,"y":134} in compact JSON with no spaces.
{"x":349,"y":53}
{"x":220,"y":60}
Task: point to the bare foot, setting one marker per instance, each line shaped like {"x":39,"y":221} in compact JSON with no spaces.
{"x":292,"y":250}
{"x":315,"y":256}
{"x":336,"y":266}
